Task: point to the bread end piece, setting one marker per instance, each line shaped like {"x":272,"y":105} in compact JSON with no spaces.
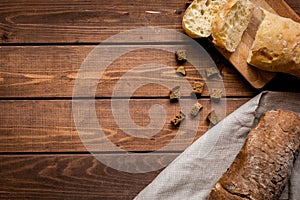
{"x":276,"y":46}
{"x":230,"y":23}
{"x":197,"y":19}
{"x":265,"y":162}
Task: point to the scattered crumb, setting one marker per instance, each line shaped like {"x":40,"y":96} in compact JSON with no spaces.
{"x":181,"y":70}
{"x":175,"y":94}
{"x":216,"y":94}
{"x":198,"y":88}
{"x":180,"y":56}
{"x":178,"y":118}
{"x":196,"y":109}
{"x":212,"y":117}
{"x":211,"y":72}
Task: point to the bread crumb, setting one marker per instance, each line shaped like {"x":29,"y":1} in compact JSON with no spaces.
{"x":180,"y":56}
{"x":213,"y":118}
{"x":175,"y":94}
{"x":181,"y":70}
{"x":179,"y":117}
{"x":216,"y":94}
{"x":196,"y":109}
{"x":198,"y":88}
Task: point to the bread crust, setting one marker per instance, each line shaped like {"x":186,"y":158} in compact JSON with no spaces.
{"x":276,"y":47}
{"x":263,"y":166}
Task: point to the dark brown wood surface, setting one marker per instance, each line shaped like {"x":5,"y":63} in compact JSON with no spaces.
{"x":65,"y":176}
{"x":63,"y":62}
{"x":42,"y":45}
{"x":82,"y":21}
{"x":48,"y":126}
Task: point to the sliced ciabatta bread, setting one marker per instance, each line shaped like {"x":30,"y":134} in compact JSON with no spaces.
{"x":230,"y":23}
{"x":276,"y":46}
{"x":198,"y":17}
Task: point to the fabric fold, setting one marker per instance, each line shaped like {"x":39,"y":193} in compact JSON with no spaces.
{"x":194,"y":172}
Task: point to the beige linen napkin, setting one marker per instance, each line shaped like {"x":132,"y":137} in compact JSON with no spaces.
{"x":194,"y":172}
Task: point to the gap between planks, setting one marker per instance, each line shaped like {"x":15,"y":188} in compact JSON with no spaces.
{"x":48,"y":126}
{"x":51,"y":71}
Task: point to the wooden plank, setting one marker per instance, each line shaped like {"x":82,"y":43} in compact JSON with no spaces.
{"x":67,"y":21}
{"x":82,"y":21}
{"x":48,"y":126}
{"x":67,"y":177}
{"x":295,"y":5}
{"x":50,"y":71}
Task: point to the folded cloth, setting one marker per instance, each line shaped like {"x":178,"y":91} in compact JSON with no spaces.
{"x":194,"y":172}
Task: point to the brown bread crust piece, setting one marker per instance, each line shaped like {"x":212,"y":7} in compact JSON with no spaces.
{"x":263,"y":166}
{"x":276,"y":46}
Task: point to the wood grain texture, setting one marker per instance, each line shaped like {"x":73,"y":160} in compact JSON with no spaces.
{"x":67,"y":177}
{"x":80,"y":21}
{"x":71,"y":21}
{"x":50,"y":71}
{"x":42,"y":156}
{"x":281,"y":10}
{"x":48,"y":126}
{"x":295,"y":5}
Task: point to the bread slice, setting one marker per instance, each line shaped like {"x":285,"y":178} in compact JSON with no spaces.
{"x":230,"y":23}
{"x":276,"y":46}
{"x":198,"y":17}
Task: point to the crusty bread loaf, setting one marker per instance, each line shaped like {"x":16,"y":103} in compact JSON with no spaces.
{"x":276,"y":46}
{"x":198,"y":17}
{"x":263,"y":166}
{"x":230,"y":23}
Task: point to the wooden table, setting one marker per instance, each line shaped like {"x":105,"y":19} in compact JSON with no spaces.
{"x":42,"y":45}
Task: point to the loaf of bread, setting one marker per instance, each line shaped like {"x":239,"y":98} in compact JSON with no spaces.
{"x":198,"y":17}
{"x":276,"y":46}
{"x":230,"y":23}
{"x":263,"y":166}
